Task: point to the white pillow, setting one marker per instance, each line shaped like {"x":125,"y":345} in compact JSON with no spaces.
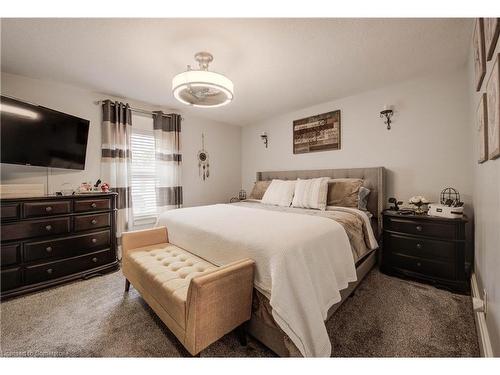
{"x":279,"y":193}
{"x":311,"y":193}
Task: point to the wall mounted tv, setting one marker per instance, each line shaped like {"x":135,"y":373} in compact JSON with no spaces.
{"x":35,"y":135}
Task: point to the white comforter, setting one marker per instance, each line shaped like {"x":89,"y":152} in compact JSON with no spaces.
{"x":302,"y":261}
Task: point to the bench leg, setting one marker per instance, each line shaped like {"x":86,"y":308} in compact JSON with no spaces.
{"x":241,"y":332}
{"x":127,"y":285}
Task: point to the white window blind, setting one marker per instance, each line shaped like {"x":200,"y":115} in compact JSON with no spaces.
{"x":144,"y":206}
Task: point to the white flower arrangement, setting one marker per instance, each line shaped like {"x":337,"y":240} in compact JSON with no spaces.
{"x":418,"y":201}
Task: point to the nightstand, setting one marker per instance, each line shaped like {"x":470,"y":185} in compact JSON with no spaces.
{"x":426,"y":248}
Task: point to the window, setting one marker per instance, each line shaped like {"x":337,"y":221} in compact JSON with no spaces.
{"x":144,"y":206}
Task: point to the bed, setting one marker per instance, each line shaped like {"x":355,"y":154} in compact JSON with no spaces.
{"x":301,"y":279}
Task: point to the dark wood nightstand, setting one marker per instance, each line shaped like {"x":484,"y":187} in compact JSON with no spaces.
{"x":430,"y":249}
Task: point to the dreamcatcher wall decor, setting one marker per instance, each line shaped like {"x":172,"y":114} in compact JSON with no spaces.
{"x":203,"y":163}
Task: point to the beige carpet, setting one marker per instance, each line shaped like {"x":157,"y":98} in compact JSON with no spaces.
{"x":94,"y":318}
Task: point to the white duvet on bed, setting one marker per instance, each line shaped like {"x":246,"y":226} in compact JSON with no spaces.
{"x":302,"y":261}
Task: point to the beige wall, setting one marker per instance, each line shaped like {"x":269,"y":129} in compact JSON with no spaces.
{"x":486,"y":193}
{"x":427,"y":149}
{"x":222,"y":143}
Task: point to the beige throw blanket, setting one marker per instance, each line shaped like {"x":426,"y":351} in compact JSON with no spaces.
{"x":302,"y":261}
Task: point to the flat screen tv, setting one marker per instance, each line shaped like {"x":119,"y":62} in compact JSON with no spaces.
{"x":35,"y":135}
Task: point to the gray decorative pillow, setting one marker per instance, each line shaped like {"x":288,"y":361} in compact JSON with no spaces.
{"x":363,"y":198}
{"x":344,"y":192}
{"x":259,"y":189}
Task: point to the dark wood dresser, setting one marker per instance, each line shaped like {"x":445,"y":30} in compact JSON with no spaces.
{"x":430,"y":249}
{"x":50,"y":240}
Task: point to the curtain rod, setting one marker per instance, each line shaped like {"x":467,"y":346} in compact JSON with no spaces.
{"x":138,"y":110}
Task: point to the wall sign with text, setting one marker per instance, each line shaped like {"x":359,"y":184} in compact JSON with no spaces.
{"x":317,"y":133}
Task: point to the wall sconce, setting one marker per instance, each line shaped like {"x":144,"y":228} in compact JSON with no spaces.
{"x":387,"y":112}
{"x":263,"y":136}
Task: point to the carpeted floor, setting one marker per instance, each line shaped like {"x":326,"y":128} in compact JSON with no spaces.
{"x":387,"y":317}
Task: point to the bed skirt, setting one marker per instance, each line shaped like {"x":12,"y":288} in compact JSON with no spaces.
{"x":263,"y":327}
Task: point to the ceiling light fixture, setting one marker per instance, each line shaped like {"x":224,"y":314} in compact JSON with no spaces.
{"x":201,"y":88}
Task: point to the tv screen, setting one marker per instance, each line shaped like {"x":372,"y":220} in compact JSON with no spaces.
{"x":35,"y":135}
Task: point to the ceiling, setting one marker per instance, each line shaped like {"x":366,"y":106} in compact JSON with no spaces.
{"x":277,"y":65}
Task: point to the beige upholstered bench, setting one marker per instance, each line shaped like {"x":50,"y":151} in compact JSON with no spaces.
{"x":198,"y":301}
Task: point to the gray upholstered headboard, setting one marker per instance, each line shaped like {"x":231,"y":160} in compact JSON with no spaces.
{"x":374,"y":179}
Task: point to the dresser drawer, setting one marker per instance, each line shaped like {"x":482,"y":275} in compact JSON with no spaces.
{"x":61,"y":268}
{"x":66,"y":247}
{"x":420,"y":248}
{"x":11,"y":278}
{"x":10,"y":211}
{"x":10,"y":254}
{"x":87,"y":222}
{"x":424,"y":267}
{"x":87,"y":205}
{"x":34,"y":228}
{"x":421,"y":227}
{"x":46,"y":208}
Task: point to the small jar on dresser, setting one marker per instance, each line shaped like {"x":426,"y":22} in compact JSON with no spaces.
{"x":426,"y":248}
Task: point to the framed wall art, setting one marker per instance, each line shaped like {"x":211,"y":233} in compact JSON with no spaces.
{"x":482,"y":129}
{"x":317,"y":133}
{"x":493,"y":98}
{"x":491,"y":32}
{"x":478,"y":50}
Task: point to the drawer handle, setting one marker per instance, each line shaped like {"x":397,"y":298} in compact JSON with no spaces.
{"x":94,"y":240}
{"x":419,"y":264}
{"x":93,"y":205}
{"x":93,"y":222}
{"x":94,"y":260}
{"x":419,"y":246}
{"x":48,"y":208}
{"x":419,"y":228}
{"x":48,"y":249}
{"x":49,"y":271}
{"x":48,"y":228}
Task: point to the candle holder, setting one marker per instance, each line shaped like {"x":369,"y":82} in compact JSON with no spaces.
{"x":387,"y":113}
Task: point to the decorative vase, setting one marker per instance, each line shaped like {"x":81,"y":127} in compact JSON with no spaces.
{"x":419,"y":207}
{"x":418,"y":201}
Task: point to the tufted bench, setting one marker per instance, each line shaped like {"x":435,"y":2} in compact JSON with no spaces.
{"x":198,"y":301}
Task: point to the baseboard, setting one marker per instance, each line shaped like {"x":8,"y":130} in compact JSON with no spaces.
{"x":481,"y":327}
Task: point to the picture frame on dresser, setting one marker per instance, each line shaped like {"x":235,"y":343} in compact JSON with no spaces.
{"x":479,"y":53}
{"x":482,"y":129}
{"x":493,"y":113}
{"x":491,"y":32}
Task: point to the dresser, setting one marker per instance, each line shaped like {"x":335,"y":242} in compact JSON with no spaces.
{"x":47,"y":241}
{"x":429,"y":249}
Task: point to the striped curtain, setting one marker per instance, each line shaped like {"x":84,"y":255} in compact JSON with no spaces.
{"x":168,"y":158}
{"x":116,"y":159}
